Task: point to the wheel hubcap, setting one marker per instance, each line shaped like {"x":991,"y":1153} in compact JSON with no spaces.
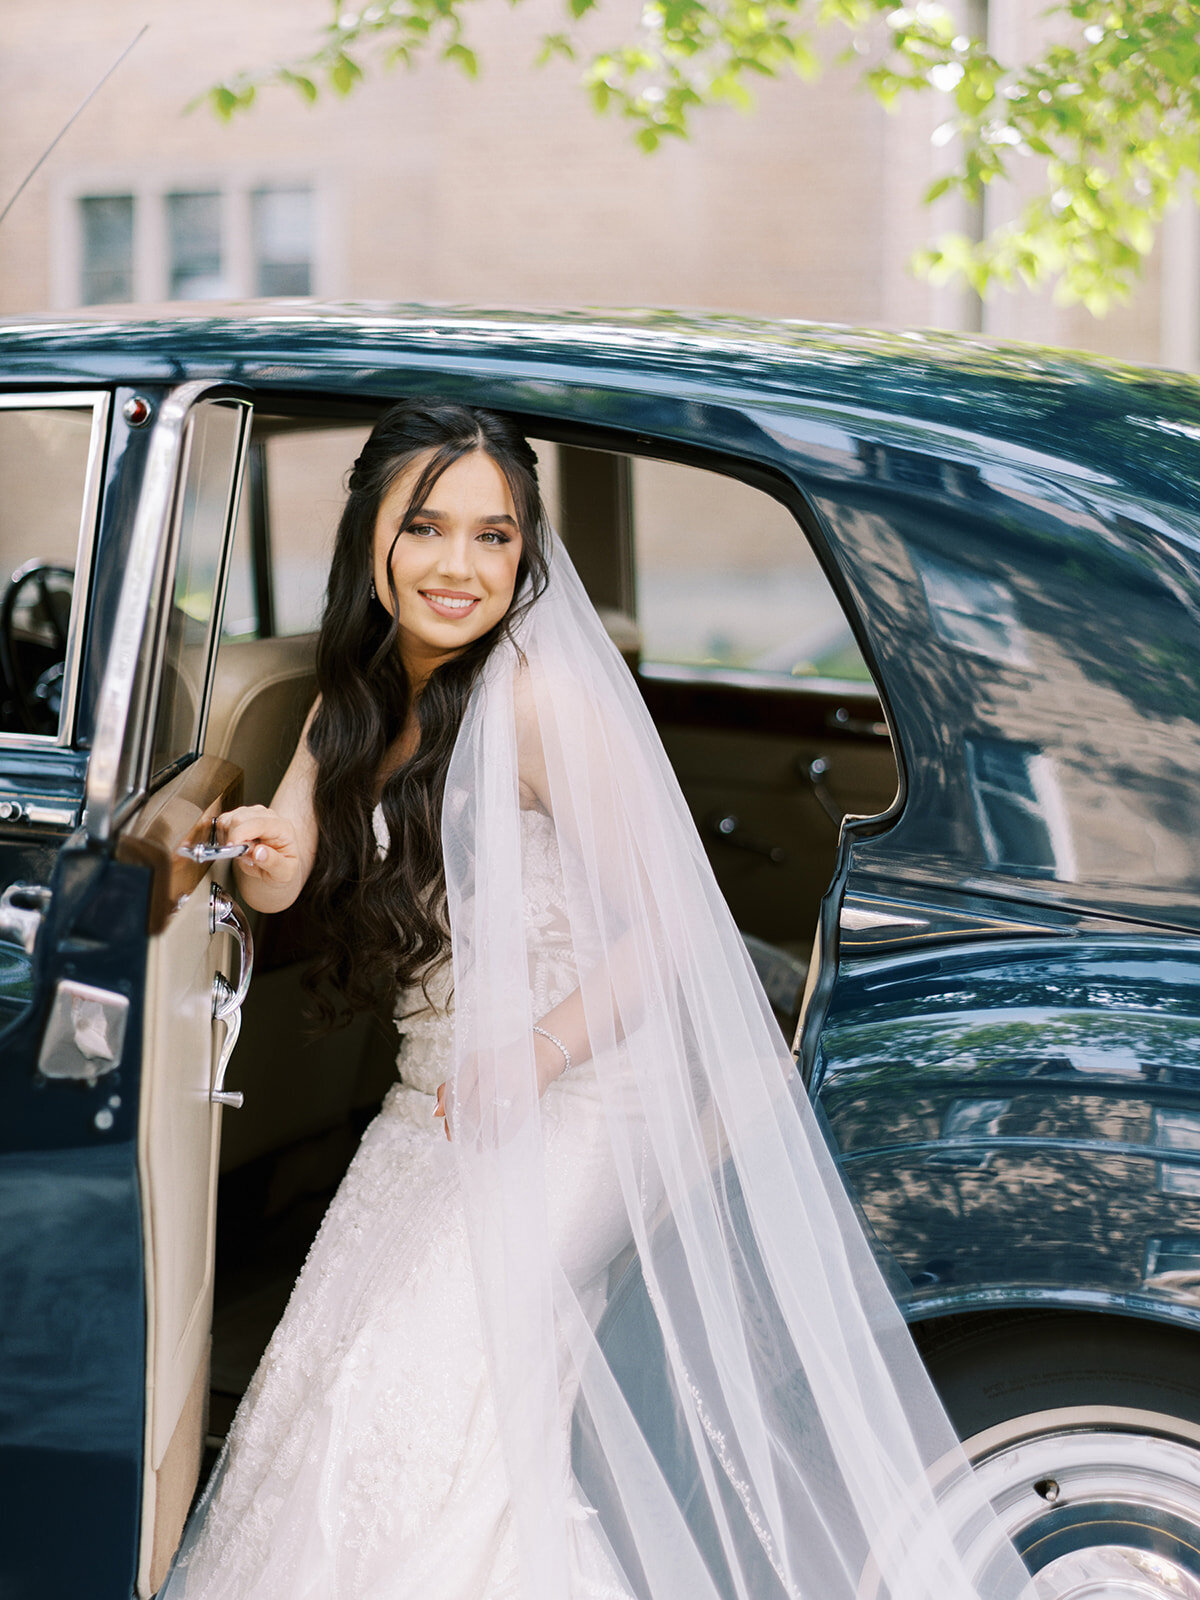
{"x":1101,"y":1510}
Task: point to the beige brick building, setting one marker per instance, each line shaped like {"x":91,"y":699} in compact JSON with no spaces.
{"x":424,"y":186}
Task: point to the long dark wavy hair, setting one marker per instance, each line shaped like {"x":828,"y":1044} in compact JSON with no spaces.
{"x":382,"y":917}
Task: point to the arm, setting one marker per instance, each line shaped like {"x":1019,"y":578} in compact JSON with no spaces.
{"x":596,"y":995}
{"x":282,"y":837}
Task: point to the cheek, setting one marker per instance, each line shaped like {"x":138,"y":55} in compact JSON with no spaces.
{"x":504,"y":577}
{"x":406,"y":559}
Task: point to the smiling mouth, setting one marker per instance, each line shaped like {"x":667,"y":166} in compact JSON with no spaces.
{"x":448,"y":605}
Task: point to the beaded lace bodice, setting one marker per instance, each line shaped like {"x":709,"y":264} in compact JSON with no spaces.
{"x":426,"y":1029}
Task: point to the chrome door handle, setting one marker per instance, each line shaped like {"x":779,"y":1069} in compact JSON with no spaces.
{"x":224,"y":914}
{"x":232,"y":1018}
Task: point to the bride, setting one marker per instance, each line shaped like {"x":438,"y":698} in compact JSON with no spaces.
{"x":589,"y":1072}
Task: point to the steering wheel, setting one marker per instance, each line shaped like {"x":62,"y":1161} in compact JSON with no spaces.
{"x":35,"y":697}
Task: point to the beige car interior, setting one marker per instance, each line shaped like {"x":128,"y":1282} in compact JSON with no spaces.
{"x":766,"y":783}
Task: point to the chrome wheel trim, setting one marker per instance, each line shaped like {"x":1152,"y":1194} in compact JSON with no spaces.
{"x":1103,"y":1501}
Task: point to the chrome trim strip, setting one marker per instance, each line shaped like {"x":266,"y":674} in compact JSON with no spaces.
{"x":99,"y":401}
{"x":129,"y":676}
{"x":154,"y":642}
{"x":222,"y":576}
{"x":858,"y":917}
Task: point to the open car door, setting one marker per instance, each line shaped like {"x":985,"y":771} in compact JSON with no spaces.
{"x":115,"y":1070}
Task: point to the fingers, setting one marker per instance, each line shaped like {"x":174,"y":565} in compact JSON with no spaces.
{"x":272,"y":853}
{"x":440,"y":1108}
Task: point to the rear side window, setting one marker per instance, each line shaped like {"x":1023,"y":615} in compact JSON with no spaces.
{"x":726,"y":578}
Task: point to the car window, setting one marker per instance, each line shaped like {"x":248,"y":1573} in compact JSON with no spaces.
{"x":726,"y":578}
{"x":301,"y":492}
{"x":212,"y":457}
{"x":306,"y":476}
{"x":50,"y":451}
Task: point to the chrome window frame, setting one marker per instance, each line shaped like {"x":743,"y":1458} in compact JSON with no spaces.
{"x":220,"y":583}
{"x":117,"y":777}
{"x":100,"y":403}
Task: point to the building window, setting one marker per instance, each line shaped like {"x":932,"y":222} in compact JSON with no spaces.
{"x":201,"y":243}
{"x":1019,"y":804}
{"x":107,"y":222}
{"x":194,"y":247}
{"x":973,"y":610}
{"x":281,"y":226}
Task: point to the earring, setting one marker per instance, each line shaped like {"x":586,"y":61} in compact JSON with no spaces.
{"x":374,"y":596}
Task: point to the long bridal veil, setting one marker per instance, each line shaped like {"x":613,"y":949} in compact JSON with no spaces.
{"x":775,"y":1433}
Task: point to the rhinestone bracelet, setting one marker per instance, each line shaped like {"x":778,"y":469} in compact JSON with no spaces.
{"x":546,"y":1034}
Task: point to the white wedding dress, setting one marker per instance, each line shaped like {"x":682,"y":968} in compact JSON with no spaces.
{"x":364,"y":1462}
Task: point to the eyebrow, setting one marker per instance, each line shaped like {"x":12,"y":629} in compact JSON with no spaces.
{"x":441,"y":516}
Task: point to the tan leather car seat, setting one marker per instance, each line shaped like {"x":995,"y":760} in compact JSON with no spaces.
{"x":261,"y":695}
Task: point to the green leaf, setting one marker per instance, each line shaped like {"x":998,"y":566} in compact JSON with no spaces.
{"x":463,"y":57}
{"x":344,"y":73}
{"x":554,"y":44}
{"x":224,"y":101}
{"x":580,"y":8}
{"x":299,"y":81}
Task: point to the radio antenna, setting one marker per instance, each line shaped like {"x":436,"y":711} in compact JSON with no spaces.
{"x":79,"y":110}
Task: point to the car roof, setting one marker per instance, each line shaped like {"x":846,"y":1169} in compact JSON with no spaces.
{"x":1097,"y":415}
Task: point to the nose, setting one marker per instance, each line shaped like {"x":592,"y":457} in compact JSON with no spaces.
{"x":454,"y":557}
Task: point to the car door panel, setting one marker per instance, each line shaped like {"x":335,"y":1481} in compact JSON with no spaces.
{"x":178,"y":1138}
{"x":106,"y":1283}
{"x":768,"y":774}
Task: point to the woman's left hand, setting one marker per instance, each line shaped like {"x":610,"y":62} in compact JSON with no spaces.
{"x":490,"y":1115}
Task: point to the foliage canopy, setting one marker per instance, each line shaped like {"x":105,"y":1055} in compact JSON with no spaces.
{"x":1108,"y":107}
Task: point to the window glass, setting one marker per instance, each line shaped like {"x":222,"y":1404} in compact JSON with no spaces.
{"x":194,"y":264}
{"x":43,"y":478}
{"x":239,"y":617}
{"x":306,"y":475}
{"x":107,"y":225}
{"x":282,"y":242}
{"x":725,"y":578}
{"x":214,"y":433}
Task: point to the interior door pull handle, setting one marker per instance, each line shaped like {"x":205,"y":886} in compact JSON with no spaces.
{"x":817,"y":771}
{"x":210,"y":850}
{"x":725,"y":826}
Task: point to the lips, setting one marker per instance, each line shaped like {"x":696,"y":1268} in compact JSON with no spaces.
{"x":446,"y":603}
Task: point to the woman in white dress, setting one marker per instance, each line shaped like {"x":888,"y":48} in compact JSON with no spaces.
{"x":488,"y":827}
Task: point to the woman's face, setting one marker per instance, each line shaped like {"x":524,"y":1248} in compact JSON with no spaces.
{"x":454,"y":566}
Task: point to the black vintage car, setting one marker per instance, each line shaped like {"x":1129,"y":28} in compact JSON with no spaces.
{"x":917,"y":619}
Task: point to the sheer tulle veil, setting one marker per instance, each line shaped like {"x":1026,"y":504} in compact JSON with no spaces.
{"x":798,"y":1449}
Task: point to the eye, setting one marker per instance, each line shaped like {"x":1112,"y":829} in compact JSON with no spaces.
{"x":495,"y":536}
{"x":421,"y":529}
